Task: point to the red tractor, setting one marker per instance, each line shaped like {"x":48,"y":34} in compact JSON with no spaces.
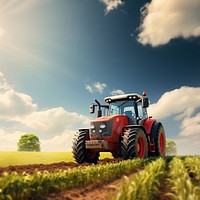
{"x":125,"y":130}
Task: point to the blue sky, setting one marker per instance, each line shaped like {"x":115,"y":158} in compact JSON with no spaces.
{"x":56,"y":57}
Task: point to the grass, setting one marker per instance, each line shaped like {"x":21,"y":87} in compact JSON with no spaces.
{"x":11,"y":158}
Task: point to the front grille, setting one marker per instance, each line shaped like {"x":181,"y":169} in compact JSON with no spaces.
{"x":98,"y":132}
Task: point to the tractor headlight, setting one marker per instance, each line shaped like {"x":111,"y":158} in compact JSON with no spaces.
{"x":102,"y":126}
{"x":92,"y":126}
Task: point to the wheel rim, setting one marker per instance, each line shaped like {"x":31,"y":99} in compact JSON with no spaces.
{"x":140,"y":147}
{"x":162,"y":144}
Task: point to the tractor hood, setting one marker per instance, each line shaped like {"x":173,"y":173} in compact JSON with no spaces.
{"x":104,"y":118}
{"x":106,"y":126}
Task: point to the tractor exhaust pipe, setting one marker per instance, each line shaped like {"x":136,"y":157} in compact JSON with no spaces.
{"x":99,"y":111}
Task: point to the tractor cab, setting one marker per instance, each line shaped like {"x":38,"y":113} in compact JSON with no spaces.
{"x":131,"y":105}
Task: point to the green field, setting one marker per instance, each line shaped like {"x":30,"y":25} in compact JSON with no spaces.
{"x":180,"y":175}
{"x":24,"y":158}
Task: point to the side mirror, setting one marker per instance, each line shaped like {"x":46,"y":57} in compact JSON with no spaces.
{"x":92,"y":108}
{"x":145,"y":102}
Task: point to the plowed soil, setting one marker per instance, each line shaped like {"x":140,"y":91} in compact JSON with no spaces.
{"x":100,"y":191}
{"x":51,"y":167}
{"x":96,"y":191}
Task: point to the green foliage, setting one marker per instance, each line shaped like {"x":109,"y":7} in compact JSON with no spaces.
{"x":171,"y":148}
{"x":29,"y":142}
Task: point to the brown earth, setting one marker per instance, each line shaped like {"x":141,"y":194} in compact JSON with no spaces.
{"x":99,"y":191}
{"x":96,"y":191}
{"x":50,"y":167}
{"x":105,"y":190}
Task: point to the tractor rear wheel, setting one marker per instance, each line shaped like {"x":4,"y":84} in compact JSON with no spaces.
{"x":134,"y":144}
{"x":79,"y":150}
{"x":160,"y":141}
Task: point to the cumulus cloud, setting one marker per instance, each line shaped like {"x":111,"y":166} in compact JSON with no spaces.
{"x":165,"y":20}
{"x":181,"y":102}
{"x":18,"y":115}
{"x":183,"y":106}
{"x":111,"y":4}
{"x":8,"y":142}
{"x":96,"y":87}
{"x":54,"y":121}
{"x":12,"y":103}
{"x":2,"y":32}
{"x":60,"y":143}
{"x":117,"y":92}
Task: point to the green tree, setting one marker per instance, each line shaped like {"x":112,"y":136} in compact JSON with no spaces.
{"x":171,"y":148}
{"x":29,"y":142}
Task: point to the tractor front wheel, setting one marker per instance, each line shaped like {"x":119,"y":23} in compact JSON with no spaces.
{"x":134,"y":144}
{"x":80,"y":153}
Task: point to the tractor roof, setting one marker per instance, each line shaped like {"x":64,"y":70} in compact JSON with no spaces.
{"x":132,"y":96}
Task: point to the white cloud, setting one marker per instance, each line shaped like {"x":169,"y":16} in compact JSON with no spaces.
{"x":8,"y":142}
{"x":12,"y":103}
{"x":89,"y":88}
{"x":2,"y":32}
{"x":96,"y":87}
{"x":188,"y":145}
{"x":18,"y":115}
{"x":164,"y":20}
{"x":60,"y":143}
{"x":180,"y":102}
{"x":183,"y":106}
{"x":117,"y":92}
{"x":111,"y":4}
{"x":53,"y":122}
{"x":191,"y":126}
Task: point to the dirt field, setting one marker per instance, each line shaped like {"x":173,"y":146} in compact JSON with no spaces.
{"x":50,"y":167}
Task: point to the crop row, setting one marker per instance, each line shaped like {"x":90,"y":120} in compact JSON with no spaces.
{"x":180,"y":178}
{"x":192,"y":164}
{"x":22,"y":186}
{"x":144,"y":184}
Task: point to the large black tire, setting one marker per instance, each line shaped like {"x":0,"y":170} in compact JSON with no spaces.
{"x":134,"y":144}
{"x":160,"y":141}
{"x":78,"y":147}
{"x":79,"y":150}
{"x":116,"y":154}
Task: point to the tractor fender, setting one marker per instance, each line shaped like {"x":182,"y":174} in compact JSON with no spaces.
{"x":135,"y":126}
{"x":148,"y":124}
